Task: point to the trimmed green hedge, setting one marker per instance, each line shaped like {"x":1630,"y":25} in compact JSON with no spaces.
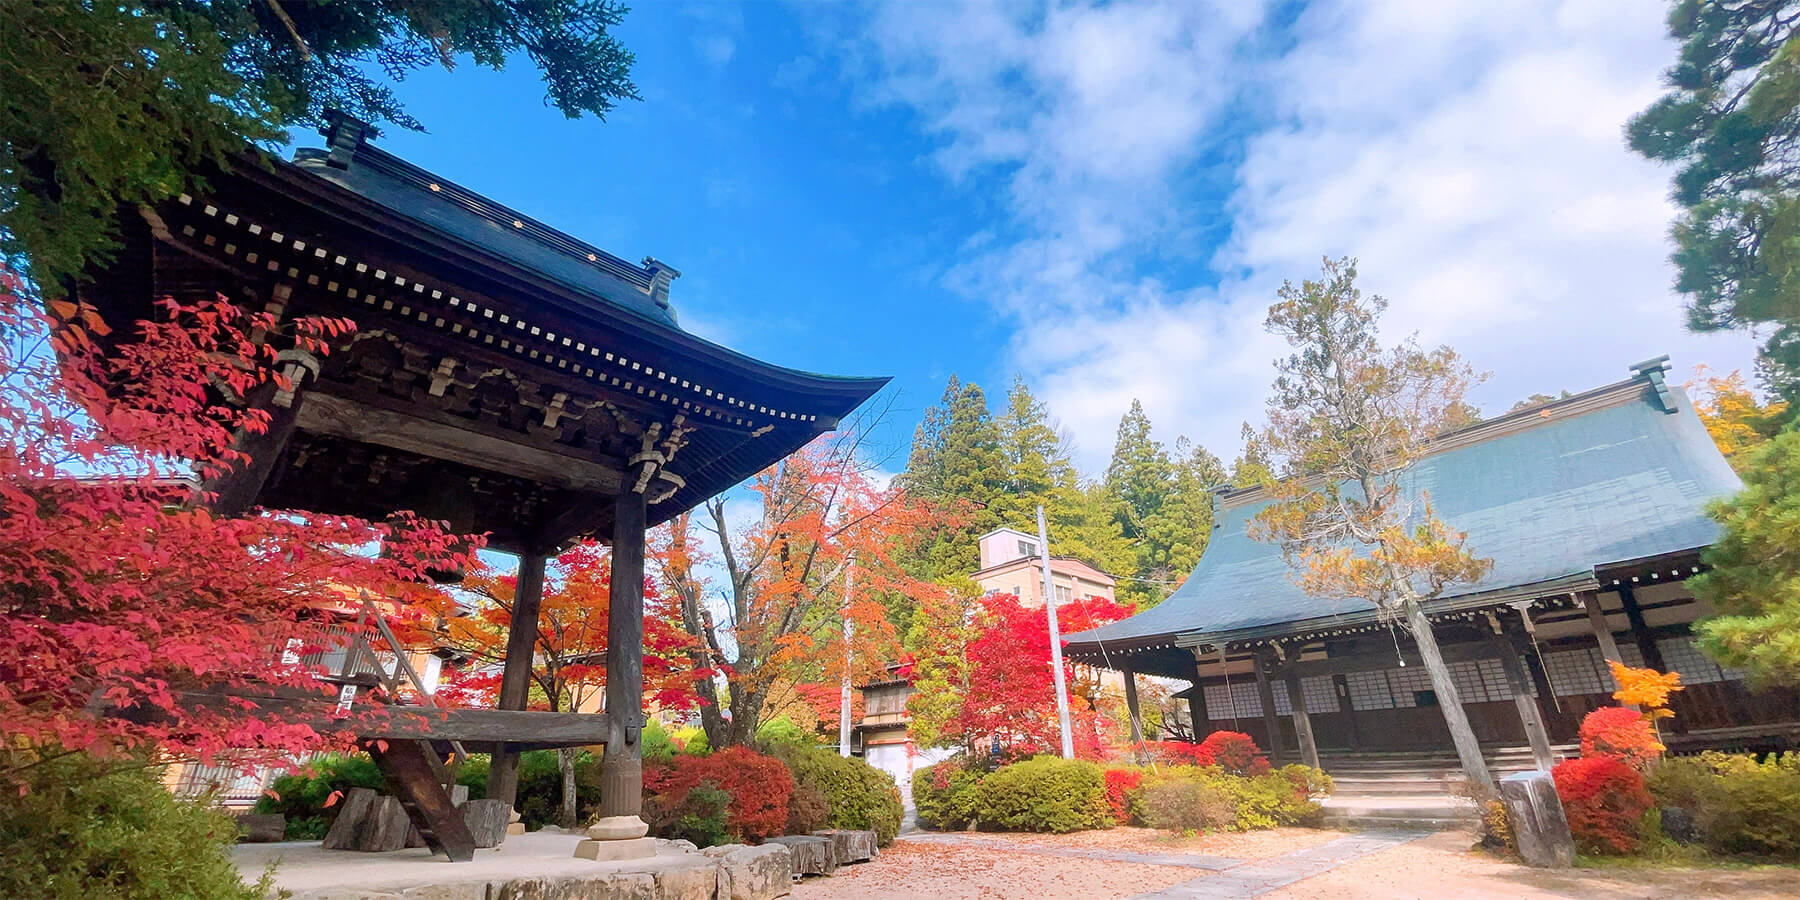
{"x":1046,"y":793}
{"x":83,"y":830}
{"x":1739,"y":804}
{"x":859,"y":795}
{"x":948,"y":795}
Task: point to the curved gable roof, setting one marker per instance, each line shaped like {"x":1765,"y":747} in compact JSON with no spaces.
{"x":1549,"y":494}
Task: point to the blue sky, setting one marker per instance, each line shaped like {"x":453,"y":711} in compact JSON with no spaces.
{"x":1104,"y":197}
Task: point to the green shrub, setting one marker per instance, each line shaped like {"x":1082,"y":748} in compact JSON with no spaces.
{"x":781,"y":732}
{"x":301,"y":795}
{"x":1740,"y":805}
{"x":1181,"y":801}
{"x":1199,"y":798}
{"x":655,"y":743}
{"x":82,"y":830}
{"x":690,"y":741}
{"x":859,"y":795}
{"x":1045,"y":793}
{"x":947,"y":796}
{"x":698,"y":814}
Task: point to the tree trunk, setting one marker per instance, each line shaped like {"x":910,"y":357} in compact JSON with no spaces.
{"x":1468,"y":750}
{"x":565,"y":764}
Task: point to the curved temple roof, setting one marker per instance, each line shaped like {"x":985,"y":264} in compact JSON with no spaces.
{"x":1550,"y":493}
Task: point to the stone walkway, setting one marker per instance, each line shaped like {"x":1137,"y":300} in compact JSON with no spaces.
{"x":1253,"y":879}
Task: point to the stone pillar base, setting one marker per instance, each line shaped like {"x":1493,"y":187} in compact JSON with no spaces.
{"x":618,"y":828}
{"x":612,"y":851}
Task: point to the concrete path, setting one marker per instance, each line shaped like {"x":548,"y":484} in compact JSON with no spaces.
{"x":1183,"y":860}
{"x":1253,"y":879}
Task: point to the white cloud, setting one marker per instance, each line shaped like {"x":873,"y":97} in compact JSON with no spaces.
{"x":1469,"y":153}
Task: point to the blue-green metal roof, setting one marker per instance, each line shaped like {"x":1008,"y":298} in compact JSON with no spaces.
{"x":1549,"y":494}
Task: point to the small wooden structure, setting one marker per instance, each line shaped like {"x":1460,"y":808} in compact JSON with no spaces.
{"x":504,"y":377}
{"x":1593,"y":511}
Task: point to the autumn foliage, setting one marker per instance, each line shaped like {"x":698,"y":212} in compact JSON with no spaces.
{"x":1605,"y":801}
{"x":118,"y":592}
{"x":1233,"y":751}
{"x":1622,"y":734}
{"x":1120,"y":783}
{"x":1645,"y":688}
{"x":1010,"y":697}
{"x":760,"y":788}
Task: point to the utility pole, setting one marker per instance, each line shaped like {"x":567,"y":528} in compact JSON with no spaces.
{"x":1056,"y":665}
{"x":844,"y":689}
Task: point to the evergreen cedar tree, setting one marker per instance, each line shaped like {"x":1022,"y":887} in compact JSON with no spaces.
{"x":1346,"y":418}
{"x":992,"y":681}
{"x":1752,"y":574}
{"x":119,"y":104}
{"x":1147,"y":519}
{"x":1728,"y":126}
{"x":116,"y":593}
{"x":821,"y":520}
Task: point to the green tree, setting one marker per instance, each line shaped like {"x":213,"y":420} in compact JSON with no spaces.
{"x":1730,"y":123}
{"x":1162,"y":504}
{"x":1184,"y":524}
{"x":1252,"y":467}
{"x":1036,"y":457}
{"x":957,"y":459}
{"x":1753,"y":570}
{"x":1539,"y":400}
{"x":1346,"y":419}
{"x":113,"y":104}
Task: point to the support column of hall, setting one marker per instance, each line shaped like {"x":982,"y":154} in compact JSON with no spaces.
{"x":515,"y":679}
{"x":1262,"y":662}
{"x":620,"y":831}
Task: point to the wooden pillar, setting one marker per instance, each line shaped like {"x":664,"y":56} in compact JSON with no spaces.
{"x":234,"y":492}
{"x":1531,"y":716}
{"x":1640,"y":630}
{"x":1270,"y":719}
{"x":1309,"y":749}
{"x":622,"y":768}
{"x":1131,"y":705}
{"x":1597,"y":623}
{"x":515,"y":679}
{"x":1202,"y":722}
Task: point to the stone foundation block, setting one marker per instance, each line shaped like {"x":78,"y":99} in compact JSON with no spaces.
{"x":369,"y":822}
{"x":613,"y":851}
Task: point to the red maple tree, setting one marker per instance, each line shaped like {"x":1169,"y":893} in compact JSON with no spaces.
{"x":1010,"y":697}
{"x":120,"y":593}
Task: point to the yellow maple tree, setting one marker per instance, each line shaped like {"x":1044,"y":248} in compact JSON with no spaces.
{"x":1646,"y":689}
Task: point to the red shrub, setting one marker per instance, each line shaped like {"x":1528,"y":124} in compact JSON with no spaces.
{"x":1604,"y":799}
{"x":1120,"y":785}
{"x":1623,"y":734}
{"x":760,"y":788}
{"x":1234,"y":752}
{"x":1173,"y":753}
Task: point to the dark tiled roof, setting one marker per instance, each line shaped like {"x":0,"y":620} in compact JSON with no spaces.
{"x":1549,"y":494}
{"x":461,"y":213}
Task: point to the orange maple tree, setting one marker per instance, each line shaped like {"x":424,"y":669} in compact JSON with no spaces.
{"x":782,"y":604}
{"x":121,"y":595}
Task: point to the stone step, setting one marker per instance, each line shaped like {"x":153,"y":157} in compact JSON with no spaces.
{"x":1422,"y":823}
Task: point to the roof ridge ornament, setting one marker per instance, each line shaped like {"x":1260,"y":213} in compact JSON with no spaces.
{"x":1655,"y":371}
{"x":344,"y":135}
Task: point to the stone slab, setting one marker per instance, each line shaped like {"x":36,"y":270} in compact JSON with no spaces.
{"x":261,"y":828}
{"x":1534,"y":813}
{"x":536,"y":866}
{"x":486,"y":820}
{"x":812,"y":855}
{"x":1254,"y":879}
{"x":370,"y":823}
{"x":850,"y":846}
{"x":756,"y":873}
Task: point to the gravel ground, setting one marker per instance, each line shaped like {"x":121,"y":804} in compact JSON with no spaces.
{"x":1441,"y":867}
{"x":1438,"y":867}
{"x":915,"y":869}
{"x":1252,"y":845}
